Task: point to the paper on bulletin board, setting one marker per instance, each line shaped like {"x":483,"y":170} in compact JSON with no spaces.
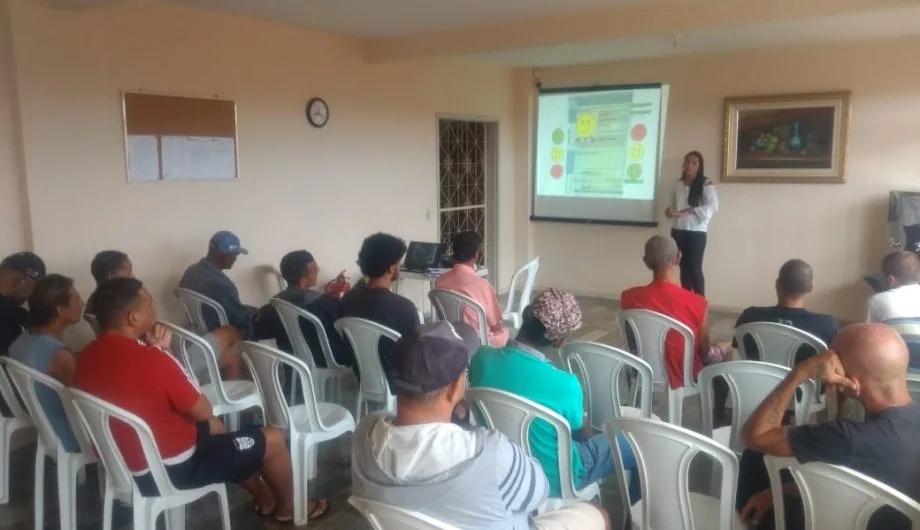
{"x":198,"y":158}
{"x":143,"y":158}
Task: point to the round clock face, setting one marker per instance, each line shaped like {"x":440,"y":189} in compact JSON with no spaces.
{"x":317,"y":112}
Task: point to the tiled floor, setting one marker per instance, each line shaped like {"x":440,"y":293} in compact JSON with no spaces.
{"x":333,"y":479}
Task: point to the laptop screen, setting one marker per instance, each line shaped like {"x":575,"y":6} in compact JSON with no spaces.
{"x":422,"y":255}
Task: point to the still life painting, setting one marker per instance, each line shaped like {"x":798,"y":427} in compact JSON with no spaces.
{"x":786,"y":138}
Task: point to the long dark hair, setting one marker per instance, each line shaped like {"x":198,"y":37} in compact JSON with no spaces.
{"x":695,"y":197}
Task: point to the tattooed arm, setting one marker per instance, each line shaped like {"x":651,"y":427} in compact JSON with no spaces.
{"x":764,"y":431}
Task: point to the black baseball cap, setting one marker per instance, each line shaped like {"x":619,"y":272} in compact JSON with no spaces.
{"x":433,"y":356}
{"x":25,"y":262}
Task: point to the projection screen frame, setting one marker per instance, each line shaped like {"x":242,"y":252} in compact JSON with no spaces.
{"x":533,"y":173}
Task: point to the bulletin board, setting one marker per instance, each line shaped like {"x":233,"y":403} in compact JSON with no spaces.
{"x":179,"y":138}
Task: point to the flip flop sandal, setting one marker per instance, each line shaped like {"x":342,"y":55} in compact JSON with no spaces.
{"x":319,"y":511}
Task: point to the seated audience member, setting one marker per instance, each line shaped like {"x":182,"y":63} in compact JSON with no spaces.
{"x":794,"y":282}
{"x":868,"y":361}
{"x":207,"y":277}
{"x":902,"y":299}
{"x":106,"y":265}
{"x":18,"y":273}
{"x":146,"y":380}
{"x":379,"y":260}
{"x":300,"y":271}
{"x":110,"y":264}
{"x":462,"y":278}
{"x":418,"y":459}
{"x":53,"y":306}
{"x":521,"y":369}
{"x":665,"y":295}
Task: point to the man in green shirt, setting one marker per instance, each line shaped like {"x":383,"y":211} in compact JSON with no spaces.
{"x":521,"y":369}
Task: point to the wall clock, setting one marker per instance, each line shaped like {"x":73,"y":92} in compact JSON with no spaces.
{"x":317,"y":112}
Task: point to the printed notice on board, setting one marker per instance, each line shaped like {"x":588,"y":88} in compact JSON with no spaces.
{"x":143,"y":158}
{"x":198,"y":158}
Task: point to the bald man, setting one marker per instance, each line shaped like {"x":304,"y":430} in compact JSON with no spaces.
{"x":868,"y":361}
{"x":902,"y":299}
{"x":666,"y":296}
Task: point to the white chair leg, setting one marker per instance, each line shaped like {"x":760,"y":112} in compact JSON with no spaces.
{"x":38,"y":502}
{"x":175,"y":518}
{"x":224,"y":506}
{"x":67,"y":492}
{"x":299,"y":465}
{"x":108,"y":502}
{"x":233,"y":421}
{"x":5,"y":446}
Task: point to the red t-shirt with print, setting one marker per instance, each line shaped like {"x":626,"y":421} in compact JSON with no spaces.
{"x":680,"y":304}
{"x":147,"y":382}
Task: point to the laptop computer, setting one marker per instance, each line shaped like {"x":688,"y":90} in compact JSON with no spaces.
{"x":422,"y":256}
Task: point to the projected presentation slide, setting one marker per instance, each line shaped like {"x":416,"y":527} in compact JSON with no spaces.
{"x":597,"y":143}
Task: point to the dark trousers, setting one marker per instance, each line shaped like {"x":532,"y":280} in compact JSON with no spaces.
{"x":691,"y":244}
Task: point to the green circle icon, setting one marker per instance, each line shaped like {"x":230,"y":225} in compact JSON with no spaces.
{"x":558,"y":136}
{"x":633,"y":171}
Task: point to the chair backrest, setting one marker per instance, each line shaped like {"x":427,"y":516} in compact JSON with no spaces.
{"x":290,"y":316}
{"x":600,"y":368}
{"x":364,"y":336}
{"x":387,"y":517}
{"x":749,"y":383}
{"x":8,"y":392}
{"x":664,"y":453}
{"x":98,"y":416}
{"x":650,"y":331}
{"x":913,"y":386}
{"x":282,"y":283}
{"x":187,"y":346}
{"x":265,"y":363}
{"x":836,"y":497}
{"x":28,"y":380}
{"x":909,"y":329}
{"x":527,"y":275}
{"x":195,"y":303}
{"x":93,"y":322}
{"x":513,"y":416}
{"x":776,"y":343}
{"x":451,"y":306}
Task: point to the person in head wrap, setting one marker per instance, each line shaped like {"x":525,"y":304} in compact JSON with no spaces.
{"x":520,"y":368}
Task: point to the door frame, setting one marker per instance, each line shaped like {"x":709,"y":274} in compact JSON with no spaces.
{"x":491,"y":184}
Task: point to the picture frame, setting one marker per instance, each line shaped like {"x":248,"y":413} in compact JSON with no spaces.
{"x":790,"y":138}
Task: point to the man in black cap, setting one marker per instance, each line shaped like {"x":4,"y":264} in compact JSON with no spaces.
{"x":418,"y":459}
{"x":18,"y":273}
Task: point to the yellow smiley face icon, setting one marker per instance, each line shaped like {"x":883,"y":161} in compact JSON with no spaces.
{"x":585,"y":125}
{"x":556,"y":154}
{"x":636,"y":152}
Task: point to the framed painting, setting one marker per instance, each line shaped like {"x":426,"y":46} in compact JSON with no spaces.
{"x":787,"y":138}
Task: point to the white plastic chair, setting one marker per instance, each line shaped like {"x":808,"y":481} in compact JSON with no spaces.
{"x":663,"y":454}
{"x":194,"y":304}
{"x":228,"y":398}
{"x":93,"y":323}
{"x":69,"y":464}
{"x":451,"y":306}
{"x":387,"y":517}
{"x":834,"y":496}
{"x":10,"y":425}
{"x":650,"y":330}
{"x":749,"y":383}
{"x":364,"y":336}
{"x":913,"y":386}
{"x":290,"y":316}
{"x":513,"y":416}
{"x":514,"y":307}
{"x":308,"y":424}
{"x":96,"y":416}
{"x":599,"y":368}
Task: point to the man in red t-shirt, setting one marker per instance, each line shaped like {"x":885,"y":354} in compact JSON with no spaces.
{"x":665,"y":295}
{"x":146,"y":380}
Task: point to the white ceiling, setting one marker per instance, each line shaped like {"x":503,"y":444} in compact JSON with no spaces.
{"x":889,"y":23}
{"x":387,"y":18}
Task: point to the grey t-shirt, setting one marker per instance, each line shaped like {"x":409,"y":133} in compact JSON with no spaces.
{"x":206,"y":279}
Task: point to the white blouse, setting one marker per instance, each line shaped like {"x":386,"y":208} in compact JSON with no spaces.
{"x":699,"y":217}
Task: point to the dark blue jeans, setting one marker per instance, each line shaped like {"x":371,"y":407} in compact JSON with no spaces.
{"x":597,"y":457}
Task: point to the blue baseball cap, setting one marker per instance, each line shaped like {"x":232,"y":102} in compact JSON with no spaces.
{"x":227,"y":242}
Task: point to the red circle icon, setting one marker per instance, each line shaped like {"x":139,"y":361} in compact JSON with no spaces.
{"x":556,"y":171}
{"x":638,"y":132}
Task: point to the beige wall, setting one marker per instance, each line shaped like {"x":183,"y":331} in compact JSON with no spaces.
{"x":839,"y":229}
{"x":374,"y":166}
{"x":12,"y":227}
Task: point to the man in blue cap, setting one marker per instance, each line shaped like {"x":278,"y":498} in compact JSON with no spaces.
{"x":207,"y":277}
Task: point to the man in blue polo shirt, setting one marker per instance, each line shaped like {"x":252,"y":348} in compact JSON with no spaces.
{"x":521,"y":369}
{"x":207,"y":277}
